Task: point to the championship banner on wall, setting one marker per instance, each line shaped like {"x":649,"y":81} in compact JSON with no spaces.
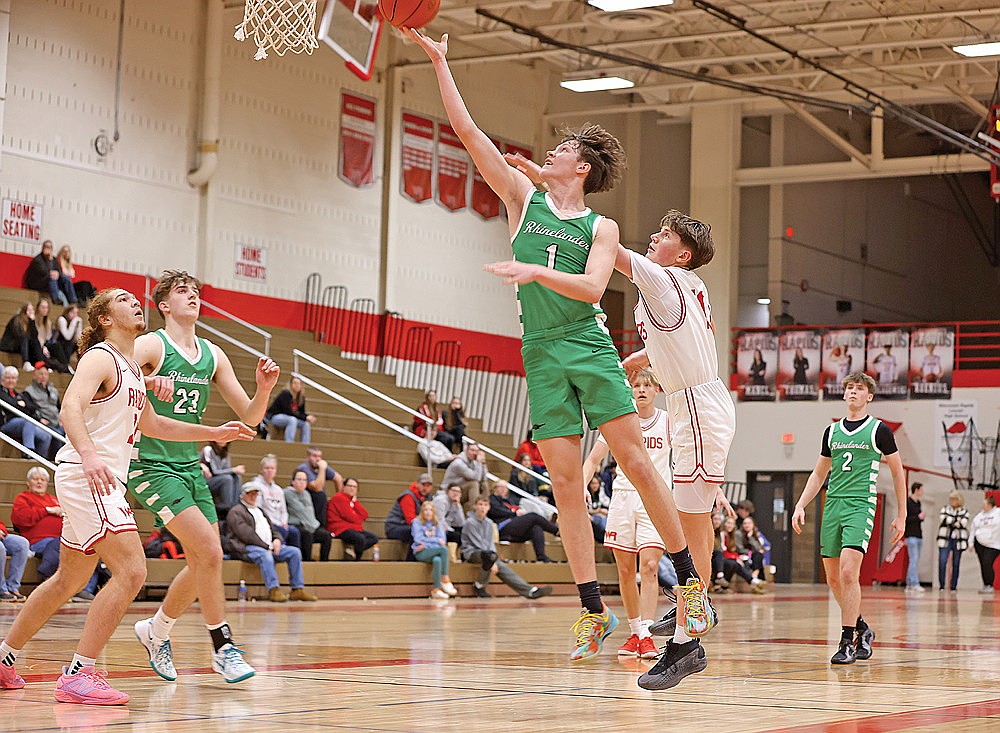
{"x":952,"y":434}
{"x":932,"y":360}
{"x":798,"y":364}
{"x":484,"y":201}
{"x":357,"y":140}
{"x":417,"y":156}
{"x":756,"y":366}
{"x":453,"y":165}
{"x":843,"y":353}
{"x":888,"y":358}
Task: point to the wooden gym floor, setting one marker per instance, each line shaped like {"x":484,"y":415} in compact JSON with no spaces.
{"x":500,"y":665}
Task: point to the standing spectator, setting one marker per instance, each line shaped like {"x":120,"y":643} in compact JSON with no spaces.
{"x":272,"y":501}
{"x":952,"y":538}
{"x":302,"y":516}
{"x":453,"y":418}
{"x":45,"y":398}
{"x":20,"y":337}
{"x":288,"y":412}
{"x":12,"y":424}
{"x":429,"y":409}
{"x":69,"y":326}
{"x":44,"y":276}
{"x":448,"y":506}
{"x":39,"y":518}
{"x":914,"y":537}
{"x":222,"y":477}
{"x":318,"y":472}
{"x":345,"y":517}
{"x":479,"y":546}
{"x":10,"y":581}
{"x":986,"y":534}
{"x":431,"y":546}
{"x":252,"y":537}
{"x":518,"y":525}
{"x":530,"y":447}
{"x":406,"y":508}
{"x":467,"y":471}
{"x":84,"y":289}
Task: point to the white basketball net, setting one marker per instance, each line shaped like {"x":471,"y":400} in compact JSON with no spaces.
{"x":279,"y":26}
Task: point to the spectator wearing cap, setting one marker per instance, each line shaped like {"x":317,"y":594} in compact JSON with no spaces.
{"x":468,"y":471}
{"x":252,"y":537}
{"x":406,"y":509}
{"x":12,"y":424}
{"x":345,"y":518}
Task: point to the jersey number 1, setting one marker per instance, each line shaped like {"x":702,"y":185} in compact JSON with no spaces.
{"x":551,"y":249}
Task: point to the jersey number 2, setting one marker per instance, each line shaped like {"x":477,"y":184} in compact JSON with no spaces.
{"x":187,"y":402}
{"x":847,"y":461}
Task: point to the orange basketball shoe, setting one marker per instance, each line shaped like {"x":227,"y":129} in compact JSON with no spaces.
{"x":695,"y":609}
{"x":591,"y":630}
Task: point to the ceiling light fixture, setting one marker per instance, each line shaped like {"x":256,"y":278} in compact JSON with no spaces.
{"x":975,"y":50}
{"x":763,"y":301}
{"x":596,"y":84}
{"x":613,"y":6}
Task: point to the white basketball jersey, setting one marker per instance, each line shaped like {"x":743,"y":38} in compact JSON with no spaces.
{"x":674,"y":320}
{"x":113,"y":420}
{"x":656,"y":439}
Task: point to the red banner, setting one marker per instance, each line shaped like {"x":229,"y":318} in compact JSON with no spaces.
{"x":418,"y":156}
{"x":756,"y":365}
{"x":357,"y":140}
{"x":484,"y":201}
{"x":452,"y":169}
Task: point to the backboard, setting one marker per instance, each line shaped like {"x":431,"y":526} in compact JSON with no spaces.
{"x":352,"y":28}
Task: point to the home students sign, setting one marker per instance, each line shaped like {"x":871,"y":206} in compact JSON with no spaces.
{"x":22,"y":220}
{"x":251,"y":263}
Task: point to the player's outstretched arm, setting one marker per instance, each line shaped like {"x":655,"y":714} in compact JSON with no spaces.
{"x":163,"y":428}
{"x":588,"y":287}
{"x":509,"y":184}
{"x":249,"y":410}
{"x":96,"y":369}
{"x":813,"y":485}
{"x":623,"y":261}
{"x":899,"y":488}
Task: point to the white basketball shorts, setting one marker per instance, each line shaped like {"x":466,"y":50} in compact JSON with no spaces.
{"x":629,"y":527}
{"x":90,"y":516}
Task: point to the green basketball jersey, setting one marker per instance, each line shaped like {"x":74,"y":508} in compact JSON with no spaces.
{"x":856,"y":460}
{"x":192,"y":382}
{"x":546,"y":237}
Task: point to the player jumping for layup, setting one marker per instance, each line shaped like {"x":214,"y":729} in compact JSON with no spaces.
{"x":104,"y":408}
{"x":563,"y":257}
{"x":168,"y":479}
{"x":853,"y":448}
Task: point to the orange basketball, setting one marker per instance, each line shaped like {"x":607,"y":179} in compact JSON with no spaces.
{"x":408,"y":13}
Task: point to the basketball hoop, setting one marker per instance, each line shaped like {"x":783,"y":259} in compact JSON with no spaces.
{"x":279,"y":25}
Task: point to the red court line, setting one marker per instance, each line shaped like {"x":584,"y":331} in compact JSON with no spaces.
{"x":132,"y":673}
{"x":887,"y":644}
{"x":904,"y":721}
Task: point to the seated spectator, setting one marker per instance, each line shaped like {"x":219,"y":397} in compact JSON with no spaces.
{"x":406,"y":508}
{"x":431,"y":546}
{"x":45,"y":276}
{"x":318,"y":471}
{"x":251,"y":537}
{"x":345,"y":517}
{"x":467,"y":471}
{"x":516,"y":524}
{"x":38,"y":517}
{"x":47,"y":337}
{"x":302,"y":516}
{"x":479,"y":546}
{"x":453,"y":419}
{"x":530,"y":447}
{"x":84,"y":289}
{"x":429,"y":408}
{"x":597,"y":507}
{"x":222,"y":476}
{"x":20,"y":337}
{"x":733,"y":562}
{"x":272,"y":501}
{"x":744,"y":509}
{"x":448,"y":506}
{"x":522,"y":480}
{"x":755,"y":545}
{"x":288,"y":412}
{"x":10,"y":581}
{"x":45,"y":398}
{"x":163,"y":545}
{"x":432,"y":452}
{"x":30,"y":435}
{"x":69,"y":326}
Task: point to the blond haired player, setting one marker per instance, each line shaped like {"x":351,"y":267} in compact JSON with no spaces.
{"x":103,"y":410}
{"x":629,"y":531}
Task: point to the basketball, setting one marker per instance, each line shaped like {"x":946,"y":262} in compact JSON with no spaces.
{"x":408,"y":13}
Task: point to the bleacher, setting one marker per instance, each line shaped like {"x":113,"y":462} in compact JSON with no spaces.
{"x":384,"y":463}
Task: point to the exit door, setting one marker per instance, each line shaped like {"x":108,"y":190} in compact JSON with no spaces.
{"x":771,"y":494}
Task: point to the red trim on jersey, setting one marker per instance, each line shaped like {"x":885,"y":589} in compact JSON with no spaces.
{"x":699,"y":447}
{"x":129,"y":362}
{"x":633,"y":550}
{"x":118,"y":385}
{"x":680,"y":320}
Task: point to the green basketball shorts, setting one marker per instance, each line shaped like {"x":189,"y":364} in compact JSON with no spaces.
{"x":571,"y":371}
{"x":846,"y":523}
{"x":167,"y":489}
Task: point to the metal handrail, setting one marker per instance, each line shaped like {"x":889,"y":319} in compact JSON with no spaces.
{"x":490,"y":452}
{"x":242,"y":322}
{"x":9,"y":407}
{"x":24,"y":449}
{"x":234,"y":341}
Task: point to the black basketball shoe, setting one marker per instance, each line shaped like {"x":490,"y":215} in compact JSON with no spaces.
{"x":863,"y":644}
{"x":845,"y":654}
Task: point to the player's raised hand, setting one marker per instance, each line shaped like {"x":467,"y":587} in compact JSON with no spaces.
{"x":897,"y":526}
{"x":528,"y":167}
{"x":267,"y":373}
{"x":434,"y":49}
{"x":798,"y":519}
{"x":513,"y":272}
{"x":234,"y":430}
{"x":161,"y":387}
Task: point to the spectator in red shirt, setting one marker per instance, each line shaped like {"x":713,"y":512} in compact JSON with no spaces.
{"x":38,"y":517}
{"x":406,"y":509}
{"x":530,"y":447}
{"x":345,"y":518}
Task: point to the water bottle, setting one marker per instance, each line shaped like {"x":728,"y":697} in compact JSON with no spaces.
{"x":241,"y":595}
{"x":375,"y":554}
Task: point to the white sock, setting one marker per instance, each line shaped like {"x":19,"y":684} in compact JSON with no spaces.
{"x":8,"y":654}
{"x":679,"y":636}
{"x":634,"y":625}
{"x":754,"y":581}
{"x":79,"y":663}
{"x":162,"y":624}
{"x":644,"y":628}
